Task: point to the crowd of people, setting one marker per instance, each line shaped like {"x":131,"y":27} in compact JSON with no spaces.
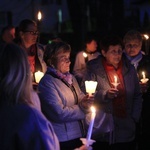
{"x":54,"y":115}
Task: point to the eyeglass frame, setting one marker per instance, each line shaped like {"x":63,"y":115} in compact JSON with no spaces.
{"x":33,"y":32}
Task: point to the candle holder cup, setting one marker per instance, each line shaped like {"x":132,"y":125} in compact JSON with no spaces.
{"x":87,"y":142}
{"x":115,"y":84}
{"x":144,"y":80}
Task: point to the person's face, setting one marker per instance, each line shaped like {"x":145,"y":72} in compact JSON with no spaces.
{"x":133,"y":47}
{"x":113,"y":55}
{"x":92,"y":46}
{"x":29,"y":37}
{"x":63,"y":62}
{"x":9,"y":35}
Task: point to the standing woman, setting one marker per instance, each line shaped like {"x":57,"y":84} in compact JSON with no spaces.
{"x":27,"y":40}
{"x":22,"y":125}
{"x":62,"y":101}
{"x":124,"y":102}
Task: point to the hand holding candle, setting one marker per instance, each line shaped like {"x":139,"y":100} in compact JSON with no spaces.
{"x":38,"y":76}
{"x":90,"y":87}
{"x":144,"y":79}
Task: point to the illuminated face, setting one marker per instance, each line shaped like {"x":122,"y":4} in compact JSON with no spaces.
{"x":92,"y":46}
{"x":63,"y":62}
{"x":29,"y":37}
{"x":113,"y":55}
{"x":133,"y":47}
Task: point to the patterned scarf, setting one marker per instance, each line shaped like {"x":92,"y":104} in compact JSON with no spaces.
{"x":135,"y":60}
{"x":64,"y":76}
{"x":119,"y":103}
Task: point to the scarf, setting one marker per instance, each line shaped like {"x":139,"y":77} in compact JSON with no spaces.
{"x":119,"y":103}
{"x":63,"y":76}
{"x":135,"y":60}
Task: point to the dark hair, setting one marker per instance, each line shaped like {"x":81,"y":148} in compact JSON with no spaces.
{"x":110,"y":40}
{"x":88,"y":40}
{"x":9,"y":27}
{"x":53,"y":49}
{"x":23,"y":26}
{"x":15,"y":76}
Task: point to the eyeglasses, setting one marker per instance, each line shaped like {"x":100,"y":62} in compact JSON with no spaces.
{"x":131,"y":46}
{"x":33,"y":32}
{"x":64,"y":59}
{"x":113,"y":52}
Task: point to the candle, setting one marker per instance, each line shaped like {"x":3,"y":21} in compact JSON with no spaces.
{"x":115,"y":79}
{"x":39,"y":16}
{"x":38,"y":76}
{"x":115,"y":83}
{"x":93,"y":114}
{"x":84,"y":54}
{"x":90,"y":87}
{"x":144,"y":79}
{"x":143,"y":73}
{"x":85,"y":57}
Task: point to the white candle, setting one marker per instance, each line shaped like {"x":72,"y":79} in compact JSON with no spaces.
{"x":144,"y":79}
{"x":93,"y":114}
{"x":84,"y":54}
{"x":115,"y":82}
{"x":143,"y":73}
{"x":38,"y":76}
{"x":90,"y":87}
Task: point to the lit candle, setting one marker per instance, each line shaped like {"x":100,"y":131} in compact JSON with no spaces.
{"x":90,"y":87}
{"x":84,"y":54}
{"x":93,"y":114}
{"x":143,"y":73}
{"x":38,"y":76}
{"x":39,"y":16}
{"x":144,"y":79}
{"x":85,"y":57}
{"x":115,"y":83}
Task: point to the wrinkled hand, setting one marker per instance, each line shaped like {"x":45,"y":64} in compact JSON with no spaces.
{"x":112,"y":93}
{"x":87,"y":102}
{"x":144,"y":87}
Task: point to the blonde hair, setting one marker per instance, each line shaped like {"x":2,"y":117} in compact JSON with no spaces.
{"x":15,"y":75}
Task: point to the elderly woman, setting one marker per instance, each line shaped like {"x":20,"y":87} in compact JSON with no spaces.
{"x":133,"y":50}
{"x":62,"y":101}
{"x":118,"y":93}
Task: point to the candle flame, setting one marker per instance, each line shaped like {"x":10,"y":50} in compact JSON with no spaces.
{"x":84,"y":54}
{"x":143,"y":73}
{"x":115,"y":79}
{"x":39,"y":15}
{"x":146,"y":36}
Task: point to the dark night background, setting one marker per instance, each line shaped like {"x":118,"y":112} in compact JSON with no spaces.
{"x":79,"y":17}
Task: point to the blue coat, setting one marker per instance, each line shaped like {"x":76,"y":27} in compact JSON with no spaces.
{"x":60,"y":107}
{"x":124,"y":129}
{"x":25,"y":128}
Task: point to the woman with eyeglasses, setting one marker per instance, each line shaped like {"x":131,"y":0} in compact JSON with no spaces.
{"x":117,"y":95}
{"x":62,"y":101}
{"x":133,"y":50}
{"x":27,"y":40}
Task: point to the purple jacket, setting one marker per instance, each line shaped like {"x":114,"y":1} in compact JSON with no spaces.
{"x":23,"y":128}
